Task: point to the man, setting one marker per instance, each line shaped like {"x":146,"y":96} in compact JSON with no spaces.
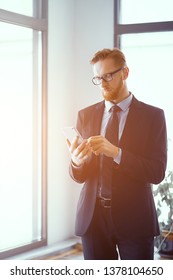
{"x":116,"y":215}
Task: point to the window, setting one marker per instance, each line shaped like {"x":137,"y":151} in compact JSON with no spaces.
{"x":147,"y":41}
{"x":18,"y":6}
{"x":23,"y":127}
{"x":150,"y":59}
{"x":135,"y":11}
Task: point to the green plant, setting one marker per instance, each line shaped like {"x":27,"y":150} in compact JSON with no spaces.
{"x":164,"y":202}
{"x":163,"y":196}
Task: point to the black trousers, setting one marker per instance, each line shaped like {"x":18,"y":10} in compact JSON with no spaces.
{"x":102,"y":242}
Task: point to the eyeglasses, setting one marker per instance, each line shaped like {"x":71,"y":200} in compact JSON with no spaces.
{"x":107,"y":77}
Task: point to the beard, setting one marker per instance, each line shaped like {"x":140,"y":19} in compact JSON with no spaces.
{"x":111,"y":94}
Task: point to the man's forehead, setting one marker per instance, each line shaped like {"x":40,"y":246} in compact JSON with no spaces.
{"x":106,"y":66}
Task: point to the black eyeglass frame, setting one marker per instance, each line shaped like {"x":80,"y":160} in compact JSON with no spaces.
{"x":106,"y":80}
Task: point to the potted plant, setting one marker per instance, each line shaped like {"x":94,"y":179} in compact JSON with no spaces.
{"x":163,"y":196}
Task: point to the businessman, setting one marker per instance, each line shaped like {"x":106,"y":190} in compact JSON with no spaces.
{"x":123,"y":153}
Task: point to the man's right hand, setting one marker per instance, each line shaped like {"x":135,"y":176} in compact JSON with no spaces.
{"x":80,"y":152}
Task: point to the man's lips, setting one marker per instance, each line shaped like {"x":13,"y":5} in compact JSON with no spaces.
{"x":105,"y":88}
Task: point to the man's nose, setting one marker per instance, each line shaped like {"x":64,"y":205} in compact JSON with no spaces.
{"x":103,"y":82}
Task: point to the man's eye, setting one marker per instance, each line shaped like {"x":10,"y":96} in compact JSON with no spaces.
{"x":107,"y":76}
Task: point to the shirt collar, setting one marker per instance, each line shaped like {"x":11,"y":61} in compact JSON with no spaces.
{"x":124,"y":105}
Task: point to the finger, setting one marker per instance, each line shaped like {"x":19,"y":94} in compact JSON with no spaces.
{"x":74,"y":144}
{"x":86,"y":156}
{"x":84,"y":152}
{"x":83,"y":145}
{"x":101,"y":147}
{"x":98,"y":149}
{"x":95,"y":139}
{"x":95,"y":145}
{"x":80,"y":150}
{"x":68,"y":143}
{"x":75,"y":141}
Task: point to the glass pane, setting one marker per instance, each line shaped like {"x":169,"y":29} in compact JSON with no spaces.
{"x":135,"y":11}
{"x":20,"y":141}
{"x":150,"y":59}
{"x":18,"y":6}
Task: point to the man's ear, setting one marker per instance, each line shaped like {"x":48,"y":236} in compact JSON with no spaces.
{"x":125,"y":72}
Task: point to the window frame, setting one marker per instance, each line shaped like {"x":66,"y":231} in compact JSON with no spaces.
{"x":121,"y":29}
{"x":38,"y":22}
{"x":137,"y":28}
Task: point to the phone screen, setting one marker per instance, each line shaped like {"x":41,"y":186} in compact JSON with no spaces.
{"x":70,"y":132}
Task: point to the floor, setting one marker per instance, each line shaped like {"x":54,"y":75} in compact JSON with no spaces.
{"x":77,"y":254}
{"x":74,"y":253}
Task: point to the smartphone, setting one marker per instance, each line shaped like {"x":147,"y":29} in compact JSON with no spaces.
{"x":70,"y":132}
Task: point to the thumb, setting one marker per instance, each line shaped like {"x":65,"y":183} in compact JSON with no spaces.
{"x":68,"y":143}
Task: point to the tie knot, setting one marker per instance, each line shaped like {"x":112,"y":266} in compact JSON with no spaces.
{"x":115,"y":109}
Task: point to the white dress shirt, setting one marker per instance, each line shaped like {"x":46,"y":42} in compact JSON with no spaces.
{"x":122,"y":116}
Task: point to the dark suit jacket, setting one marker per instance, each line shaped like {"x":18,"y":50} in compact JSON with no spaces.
{"x":143,"y":163}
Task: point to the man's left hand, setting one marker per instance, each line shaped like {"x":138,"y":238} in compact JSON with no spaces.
{"x":100,"y":145}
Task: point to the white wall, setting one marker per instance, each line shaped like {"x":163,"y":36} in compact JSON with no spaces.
{"x":77,"y":28}
{"x":93,"y":31}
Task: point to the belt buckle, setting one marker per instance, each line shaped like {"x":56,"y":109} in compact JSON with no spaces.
{"x":105,"y":202}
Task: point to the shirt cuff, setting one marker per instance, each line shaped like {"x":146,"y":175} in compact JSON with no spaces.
{"x":117,"y":159}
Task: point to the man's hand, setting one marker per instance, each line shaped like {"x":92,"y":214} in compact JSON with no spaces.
{"x":80,"y":152}
{"x":100,"y":145}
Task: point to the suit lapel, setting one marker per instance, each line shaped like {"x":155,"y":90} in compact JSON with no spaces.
{"x":97,"y":118}
{"x":131,"y":123}
{"x":133,"y":119}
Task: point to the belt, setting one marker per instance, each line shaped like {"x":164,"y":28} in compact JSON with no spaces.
{"x":104,"y":202}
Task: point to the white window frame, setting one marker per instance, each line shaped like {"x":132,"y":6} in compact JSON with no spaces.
{"x":38,"y":22}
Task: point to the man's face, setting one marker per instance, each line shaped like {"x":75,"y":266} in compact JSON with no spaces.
{"x":112,"y":90}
